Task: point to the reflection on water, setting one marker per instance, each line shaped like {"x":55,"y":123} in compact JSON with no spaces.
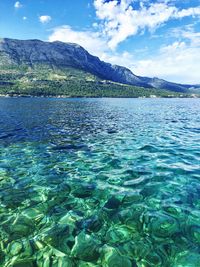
{"x":99,"y":182}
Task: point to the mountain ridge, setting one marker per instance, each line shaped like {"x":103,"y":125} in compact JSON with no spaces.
{"x":57,"y":54}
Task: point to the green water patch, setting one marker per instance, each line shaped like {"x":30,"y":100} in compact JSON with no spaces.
{"x":99,"y":183}
{"x":61,"y":211}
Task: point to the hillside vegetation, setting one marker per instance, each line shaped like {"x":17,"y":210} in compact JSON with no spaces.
{"x":70,"y":82}
{"x":34,"y":67}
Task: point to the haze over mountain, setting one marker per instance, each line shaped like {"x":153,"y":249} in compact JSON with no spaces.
{"x":32,"y":53}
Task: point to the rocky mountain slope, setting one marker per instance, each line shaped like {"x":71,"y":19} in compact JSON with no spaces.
{"x":30,"y":54}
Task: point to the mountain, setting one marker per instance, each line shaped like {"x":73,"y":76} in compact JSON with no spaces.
{"x":26,"y":60}
{"x":58,"y":54}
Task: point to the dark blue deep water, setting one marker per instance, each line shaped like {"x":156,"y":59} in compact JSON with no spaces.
{"x":99,"y":182}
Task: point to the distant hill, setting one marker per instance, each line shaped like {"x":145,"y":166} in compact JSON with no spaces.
{"x":60,"y":68}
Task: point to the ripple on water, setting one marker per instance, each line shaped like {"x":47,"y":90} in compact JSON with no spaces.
{"x":99,"y":182}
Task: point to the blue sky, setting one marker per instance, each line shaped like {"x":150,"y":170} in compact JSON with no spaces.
{"x":159,"y":38}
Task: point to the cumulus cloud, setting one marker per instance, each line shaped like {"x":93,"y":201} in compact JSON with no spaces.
{"x":92,"y":41}
{"x":187,"y":33}
{"x":178,"y":62}
{"x":193,"y":11}
{"x":117,"y":20}
{"x":44,"y":19}
{"x":120,"y":20}
{"x":18,"y":5}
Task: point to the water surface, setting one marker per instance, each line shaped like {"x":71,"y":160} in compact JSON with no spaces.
{"x":99,"y":182}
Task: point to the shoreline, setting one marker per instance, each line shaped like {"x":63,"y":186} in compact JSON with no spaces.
{"x":64,"y":96}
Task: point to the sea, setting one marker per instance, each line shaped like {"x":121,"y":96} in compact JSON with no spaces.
{"x":99,"y":182}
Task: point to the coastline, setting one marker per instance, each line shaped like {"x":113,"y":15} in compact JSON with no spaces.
{"x":65,"y":96}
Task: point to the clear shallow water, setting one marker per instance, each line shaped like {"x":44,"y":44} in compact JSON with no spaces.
{"x":99,"y":182}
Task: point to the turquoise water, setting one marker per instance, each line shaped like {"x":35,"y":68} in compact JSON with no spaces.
{"x":99,"y":182}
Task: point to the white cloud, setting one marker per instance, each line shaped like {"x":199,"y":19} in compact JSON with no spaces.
{"x":119,"y":20}
{"x":45,"y":19}
{"x":92,"y":41}
{"x":18,"y":5}
{"x":187,"y":33}
{"x":178,"y":62}
{"x":24,"y":18}
{"x":194,"y":37}
{"x":193,"y":11}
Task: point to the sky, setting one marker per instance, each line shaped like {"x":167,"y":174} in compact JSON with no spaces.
{"x":159,"y":38}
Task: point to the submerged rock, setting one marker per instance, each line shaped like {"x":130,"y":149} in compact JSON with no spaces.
{"x":2,"y":256}
{"x":27,"y":249}
{"x":58,"y":237}
{"x":71,"y":218}
{"x":84,"y":190}
{"x":86,"y":247}
{"x":62,"y":262}
{"x":163,"y":226}
{"x":15,"y":248}
{"x":193,"y":232}
{"x":33,"y":214}
{"x":112,"y":258}
{"x":152,"y":259}
{"x":24,"y":263}
{"x":19,"y":227}
{"x":118,"y":234}
{"x":187,"y":259}
{"x":112,"y":203}
{"x":87,"y":264}
{"x":141,"y":249}
{"x":92,"y":224}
